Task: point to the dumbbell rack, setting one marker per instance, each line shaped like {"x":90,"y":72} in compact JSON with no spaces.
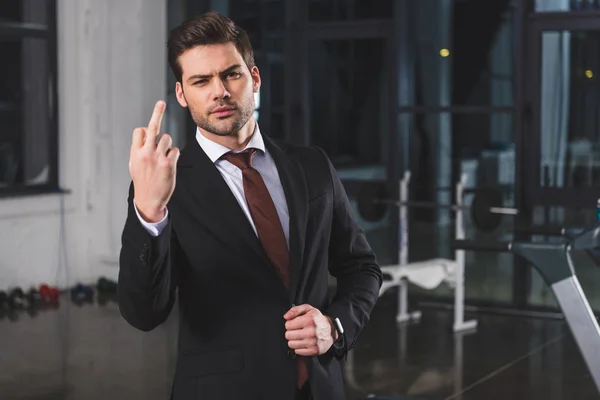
{"x":454,"y":269}
{"x":44,"y":297}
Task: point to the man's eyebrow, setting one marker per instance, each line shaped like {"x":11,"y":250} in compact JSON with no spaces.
{"x":201,"y":76}
{"x":198,"y":76}
{"x":232,"y":68}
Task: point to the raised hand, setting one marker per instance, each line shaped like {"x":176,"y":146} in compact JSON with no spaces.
{"x":308,"y":331}
{"x":153,"y":167}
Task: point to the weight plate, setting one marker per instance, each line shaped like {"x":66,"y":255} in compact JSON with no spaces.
{"x":483,"y":200}
{"x":368,"y":209}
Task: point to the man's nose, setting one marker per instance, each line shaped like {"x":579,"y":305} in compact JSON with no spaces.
{"x":220,"y":89}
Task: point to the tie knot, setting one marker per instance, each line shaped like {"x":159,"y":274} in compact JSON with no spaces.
{"x":241,"y":160}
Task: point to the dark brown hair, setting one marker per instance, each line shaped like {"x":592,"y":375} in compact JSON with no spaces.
{"x":208,"y":28}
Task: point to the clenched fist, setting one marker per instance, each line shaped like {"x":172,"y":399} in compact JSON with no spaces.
{"x":309,"y":332}
{"x":152,"y":167}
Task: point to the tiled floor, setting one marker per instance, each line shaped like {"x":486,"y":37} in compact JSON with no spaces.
{"x":90,"y":353}
{"x":505,"y":358}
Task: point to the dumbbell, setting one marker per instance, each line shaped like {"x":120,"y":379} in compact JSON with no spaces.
{"x":81,"y":294}
{"x":34,"y":296}
{"x":6,"y":308}
{"x":3,"y":301}
{"x":106,"y":286}
{"x":106,"y":298}
{"x":35,"y":301}
{"x":49,"y":294}
{"x":28,"y":301}
{"x":17,"y":299}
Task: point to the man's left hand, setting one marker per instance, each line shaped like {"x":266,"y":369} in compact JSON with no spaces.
{"x":309,"y":332}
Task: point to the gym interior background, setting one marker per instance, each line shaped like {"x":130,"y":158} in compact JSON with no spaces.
{"x":504,"y":92}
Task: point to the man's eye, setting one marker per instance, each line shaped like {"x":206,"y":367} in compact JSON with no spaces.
{"x":234,"y":75}
{"x":200,"y":82}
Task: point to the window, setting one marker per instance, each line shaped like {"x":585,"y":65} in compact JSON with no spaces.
{"x":569,"y":153}
{"x":28,"y":127}
{"x":264,"y":23}
{"x":257,"y":105}
{"x":348,"y":10}
{"x":348,"y":107}
{"x":566,"y":5}
{"x":457,"y":116}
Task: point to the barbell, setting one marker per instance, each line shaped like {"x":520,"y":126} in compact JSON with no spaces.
{"x":486,"y":210}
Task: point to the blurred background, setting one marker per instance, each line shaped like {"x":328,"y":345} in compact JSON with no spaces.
{"x":504,"y":92}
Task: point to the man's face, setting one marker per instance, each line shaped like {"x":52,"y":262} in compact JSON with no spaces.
{"x":218,"y":88}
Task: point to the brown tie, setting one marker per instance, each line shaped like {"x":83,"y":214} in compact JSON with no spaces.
{"x":268,"y":225}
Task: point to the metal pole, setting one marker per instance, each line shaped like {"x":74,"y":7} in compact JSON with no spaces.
{"x":581,"y":321}
{"x":404,"y":218}
{"x":553,"y":262}
{"x":403,"y":257}
{"x":459,"y":254}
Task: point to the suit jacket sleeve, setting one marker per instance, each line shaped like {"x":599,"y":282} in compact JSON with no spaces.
{"x":353,"y":263}
{"x":147,"y":272}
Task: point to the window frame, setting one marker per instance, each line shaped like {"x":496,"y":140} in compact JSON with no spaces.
{"x":11,"y":30}
{"x":536,"y":193}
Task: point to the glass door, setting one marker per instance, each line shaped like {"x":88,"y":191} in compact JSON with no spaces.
{"x":564,"y":167}
{"x":565,"y":95}
{"x":346,"y":97}
{"x":348,"y":118}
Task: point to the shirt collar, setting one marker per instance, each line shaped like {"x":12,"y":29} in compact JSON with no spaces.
{"x":214,"y":151}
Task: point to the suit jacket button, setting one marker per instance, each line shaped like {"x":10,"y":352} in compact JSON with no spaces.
{"x":291,"y":354}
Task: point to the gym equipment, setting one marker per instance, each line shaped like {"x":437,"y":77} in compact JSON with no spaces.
{"x":486,"y":210}
{"x":545,"y":230}
{"x":553,"y":262}
{"x":81,"y":294}
{"x":106,"y":285}
{"x":375,"y":397}
{"x":49,"y":294}
{"x":104,"y":299}
{"x":34,"y":297}
{"x":429,"y":273}
{"x":554,"y":230}
{"x":33,"y":300}
{"x":3,"y":301}
{"x":17,"y":299}
{"x":6,"y":308}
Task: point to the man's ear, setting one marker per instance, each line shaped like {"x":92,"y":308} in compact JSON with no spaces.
{"x":180,"y":95}
{"x":255,"y":79}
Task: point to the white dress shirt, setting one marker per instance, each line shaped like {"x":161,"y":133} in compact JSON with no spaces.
{"x":262,"y":162}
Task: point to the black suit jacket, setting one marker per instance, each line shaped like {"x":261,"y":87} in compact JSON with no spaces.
{"x":231,"y":301}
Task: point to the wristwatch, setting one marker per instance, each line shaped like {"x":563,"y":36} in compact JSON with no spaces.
{"x":339,"y":344}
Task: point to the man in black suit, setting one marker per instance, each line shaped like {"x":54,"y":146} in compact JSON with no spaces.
{"x":247,"y":238}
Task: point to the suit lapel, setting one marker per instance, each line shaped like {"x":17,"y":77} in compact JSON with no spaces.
{"x":296,"y":194}
{"x":216,"y":206}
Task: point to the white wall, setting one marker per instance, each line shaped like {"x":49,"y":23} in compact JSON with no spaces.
{"x":112,"y":69}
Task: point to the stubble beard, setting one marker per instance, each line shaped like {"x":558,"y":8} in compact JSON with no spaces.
{"x":228,"y":126}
